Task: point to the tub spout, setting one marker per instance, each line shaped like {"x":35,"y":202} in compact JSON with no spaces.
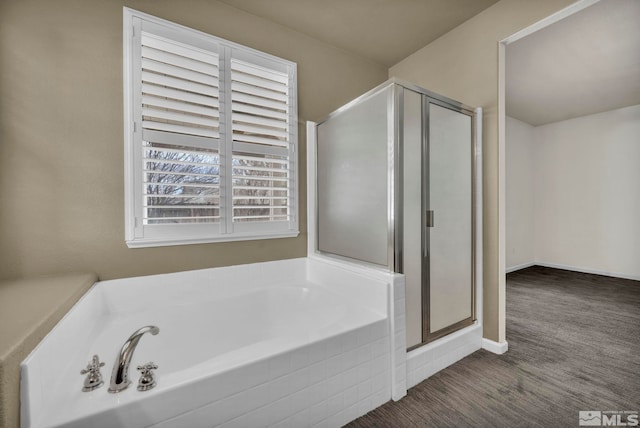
{"x":120,"y":374}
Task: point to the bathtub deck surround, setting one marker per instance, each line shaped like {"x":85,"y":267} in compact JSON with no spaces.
{"x":25,"y":320}
{"x":298,"y":342}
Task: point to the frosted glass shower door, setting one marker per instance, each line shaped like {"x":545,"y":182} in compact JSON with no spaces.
{"x":352,"y":180}
{"x":449,"y":220}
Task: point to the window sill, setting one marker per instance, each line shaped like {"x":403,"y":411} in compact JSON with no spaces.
{"x":159,"y":242}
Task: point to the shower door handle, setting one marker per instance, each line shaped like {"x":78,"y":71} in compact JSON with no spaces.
{"x":430,"y":218}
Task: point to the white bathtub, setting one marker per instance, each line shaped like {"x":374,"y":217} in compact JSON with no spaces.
{"x":290,"y":343}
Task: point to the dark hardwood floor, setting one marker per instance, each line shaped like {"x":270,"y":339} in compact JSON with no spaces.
{"x":574,"y":344}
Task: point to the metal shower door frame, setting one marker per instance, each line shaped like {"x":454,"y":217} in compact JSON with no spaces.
{"x":395,"y":120}
{"x":427,"y":335}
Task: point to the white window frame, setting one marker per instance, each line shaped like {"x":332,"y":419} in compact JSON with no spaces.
{"x":137,"y":234}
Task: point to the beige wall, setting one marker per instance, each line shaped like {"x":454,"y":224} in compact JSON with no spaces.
{"x":519,"y":198}
{"x":463,"y":65}
{"x":61,"y":148}
{"x":61,"y":137}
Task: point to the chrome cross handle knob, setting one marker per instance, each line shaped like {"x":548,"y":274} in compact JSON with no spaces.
{"x":94,"y":377}
{"x":147,"y":376}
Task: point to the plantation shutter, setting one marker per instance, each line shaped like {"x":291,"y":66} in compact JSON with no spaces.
{"x":180,"y":132}
{"x":261,"y":117}
{"x":210,"y":139}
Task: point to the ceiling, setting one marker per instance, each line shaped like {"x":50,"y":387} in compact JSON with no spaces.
{"x":584,"y":64}
{"x":383,"y":31}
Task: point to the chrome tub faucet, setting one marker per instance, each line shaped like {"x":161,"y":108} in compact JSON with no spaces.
{"x":120,"y":374}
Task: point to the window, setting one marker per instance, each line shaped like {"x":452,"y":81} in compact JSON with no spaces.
{"x":210,"y":138}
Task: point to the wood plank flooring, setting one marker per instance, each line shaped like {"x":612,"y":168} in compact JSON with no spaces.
{"x":574,"y":344}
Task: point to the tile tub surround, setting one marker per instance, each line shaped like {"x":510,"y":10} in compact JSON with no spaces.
{"x":329,"y":375}
{"x":29,"y":309}
{"x":399,"y":334}
{"x":329,"y":383}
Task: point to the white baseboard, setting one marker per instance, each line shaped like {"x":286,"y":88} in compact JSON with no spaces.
{"x":587,"y":270}
{"x":520,"y":266}
{"x":495,"y":347}
{"x":572,"y":268}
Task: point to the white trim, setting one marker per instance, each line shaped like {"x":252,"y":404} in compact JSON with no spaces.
{"x":159,"y":242}
{"x":294,"y":153}
{"x":551,"y":19}
{"x":520,"y":266}
{"x":129,"y":197}
{"x":573,"y":269}
{"x":479,"y":267}
{"x":495,"y":347}
{"x":502,"y":198}
{"x":588,"y":270}
{"x":311,"y":188}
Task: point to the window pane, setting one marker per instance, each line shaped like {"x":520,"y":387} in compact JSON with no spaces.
{"x":260,"y":188}
{"x":181,"y":184}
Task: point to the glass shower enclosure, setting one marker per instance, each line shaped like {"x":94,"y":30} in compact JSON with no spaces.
{"x":397,"y":188}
